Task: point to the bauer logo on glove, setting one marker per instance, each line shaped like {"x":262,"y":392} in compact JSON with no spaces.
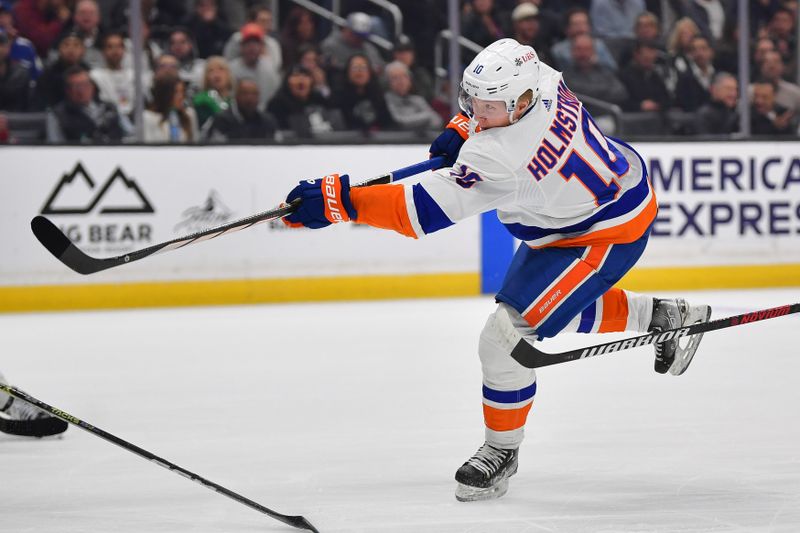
{"x":323,"y":202}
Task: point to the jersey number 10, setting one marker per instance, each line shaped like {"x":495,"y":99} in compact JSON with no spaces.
{"x":577,"y":167}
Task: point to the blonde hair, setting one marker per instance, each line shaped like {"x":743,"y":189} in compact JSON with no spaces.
{"x":673,"y":43}
{"x":217,"y":61}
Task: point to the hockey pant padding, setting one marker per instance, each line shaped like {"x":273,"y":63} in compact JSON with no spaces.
{"x":508,"y":387}
{"x":549,"y":287}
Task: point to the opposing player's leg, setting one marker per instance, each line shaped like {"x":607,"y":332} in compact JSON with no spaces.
{"x":508,"y":391}
{"x":20,"y":418}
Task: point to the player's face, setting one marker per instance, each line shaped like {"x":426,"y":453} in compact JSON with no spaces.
{"x":490,"y":113}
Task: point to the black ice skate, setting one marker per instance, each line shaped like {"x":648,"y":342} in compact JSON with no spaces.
{"x":485,"y":475}
{"x":670,"y":314}
{"x":20,"y":418}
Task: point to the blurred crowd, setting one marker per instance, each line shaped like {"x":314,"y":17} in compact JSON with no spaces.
{"x":229,"y":71}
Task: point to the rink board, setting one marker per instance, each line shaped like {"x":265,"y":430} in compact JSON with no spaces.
{"x":729,"y":217}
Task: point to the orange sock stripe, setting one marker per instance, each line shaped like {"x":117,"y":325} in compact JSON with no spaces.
{"x":615,"y":311}
{"x":505,"y":419}
{"x":383,"y":206}
{"x":561,"y":290}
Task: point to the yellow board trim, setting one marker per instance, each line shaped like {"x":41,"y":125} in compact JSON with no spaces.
{"x":250,"y":291}
{"x":230,"y":292}
{"x":711,"y":277}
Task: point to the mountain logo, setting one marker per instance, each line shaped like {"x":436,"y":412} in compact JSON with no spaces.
{"x":76,"y":194}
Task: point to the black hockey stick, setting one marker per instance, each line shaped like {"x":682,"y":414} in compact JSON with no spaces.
{"x":528,"y":356}
{"x":296,"y":521}
{"x":65,"y":251}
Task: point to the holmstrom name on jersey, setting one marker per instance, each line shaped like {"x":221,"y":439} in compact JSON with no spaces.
{"x":559,"y":135}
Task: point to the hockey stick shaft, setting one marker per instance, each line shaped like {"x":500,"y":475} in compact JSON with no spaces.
{"x":65,"y":251}
{"x":529,"y":356}
{"x":295,"y":521}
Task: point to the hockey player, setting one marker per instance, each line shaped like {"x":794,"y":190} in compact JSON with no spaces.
{"x":20,"y":418}
{"x":582,"y":204}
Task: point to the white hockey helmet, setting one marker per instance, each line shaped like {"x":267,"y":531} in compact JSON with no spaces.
{"x":502,"y":71}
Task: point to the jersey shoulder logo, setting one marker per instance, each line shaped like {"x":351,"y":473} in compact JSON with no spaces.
{"x":465,"y":177}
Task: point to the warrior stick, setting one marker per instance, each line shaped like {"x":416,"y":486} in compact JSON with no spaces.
{"x":296,"y":521}
{"x":65,"y":251}
{"x":530,"y":357}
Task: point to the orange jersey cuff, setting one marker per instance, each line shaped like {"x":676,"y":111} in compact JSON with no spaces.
{"x":382,"y":206}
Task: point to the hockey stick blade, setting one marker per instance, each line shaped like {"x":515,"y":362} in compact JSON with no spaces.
{"x":531,"y":357}
{"x":298,"y":522}
{"x":62,"y":248}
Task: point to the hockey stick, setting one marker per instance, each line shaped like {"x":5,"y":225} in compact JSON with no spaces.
{"x":65,"y":251}
{"x":296,"y":521}
{"x":530,"y":357}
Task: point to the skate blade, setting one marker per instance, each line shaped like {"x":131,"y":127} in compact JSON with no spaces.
{"x":685,"y":354}
{"x":465,"y":493}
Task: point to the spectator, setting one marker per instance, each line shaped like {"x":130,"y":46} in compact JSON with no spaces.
{"x":86,"y":24}
{"x":527,"y":29}
{"x":309,"y":58}
{"x":615,"y":19}
{"x":302,"y":109}
{"x":405,"y":53}
{"x":14,"y":79}
{"x":768,"y":118}
{"x":167,"y":119}
{"x":668,"y":12}
{"x":191,"y":67}
{"x":482,"y":23}
{"x":646,"y":88}
{"x":299,"y":30}
{"x":680,"y":43}
{"x":151,"y":50}
{"x":350,"y":40}
{"x":763,"y":45}
{"x":50,"y":86}
{"x":719,"y":115}
{"x":360,"y":97}
{"x":761,"y":12}
{"x":783,"y":33}
{"x":22,"y":51}
{"x":209,"y":31}
{"x":80,"y":118}
{"x":786,"y":94}
{"x":709,"y":15}
{"x":115,"y":83}
{"x":588,"y":77}
{"x":646,"y":29}
{"x":261,"y":15}
{"x":577,"y":23}
{"x":244,"y":120}
{"x":693,"y":87}
{"x":217,"y":91}
{"x":255,"y":65}
{"x":409,"y":111}
{"x":41,"y":21}
{"x":167,"y":63}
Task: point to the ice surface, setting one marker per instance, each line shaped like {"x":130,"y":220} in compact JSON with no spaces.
{"x":357,"y":415}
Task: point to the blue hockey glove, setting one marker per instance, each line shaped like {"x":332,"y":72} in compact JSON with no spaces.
{"x":449,"y":142}
{"x":325,"y":201}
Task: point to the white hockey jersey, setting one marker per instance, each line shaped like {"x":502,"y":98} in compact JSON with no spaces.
{"x":553,"y":177}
